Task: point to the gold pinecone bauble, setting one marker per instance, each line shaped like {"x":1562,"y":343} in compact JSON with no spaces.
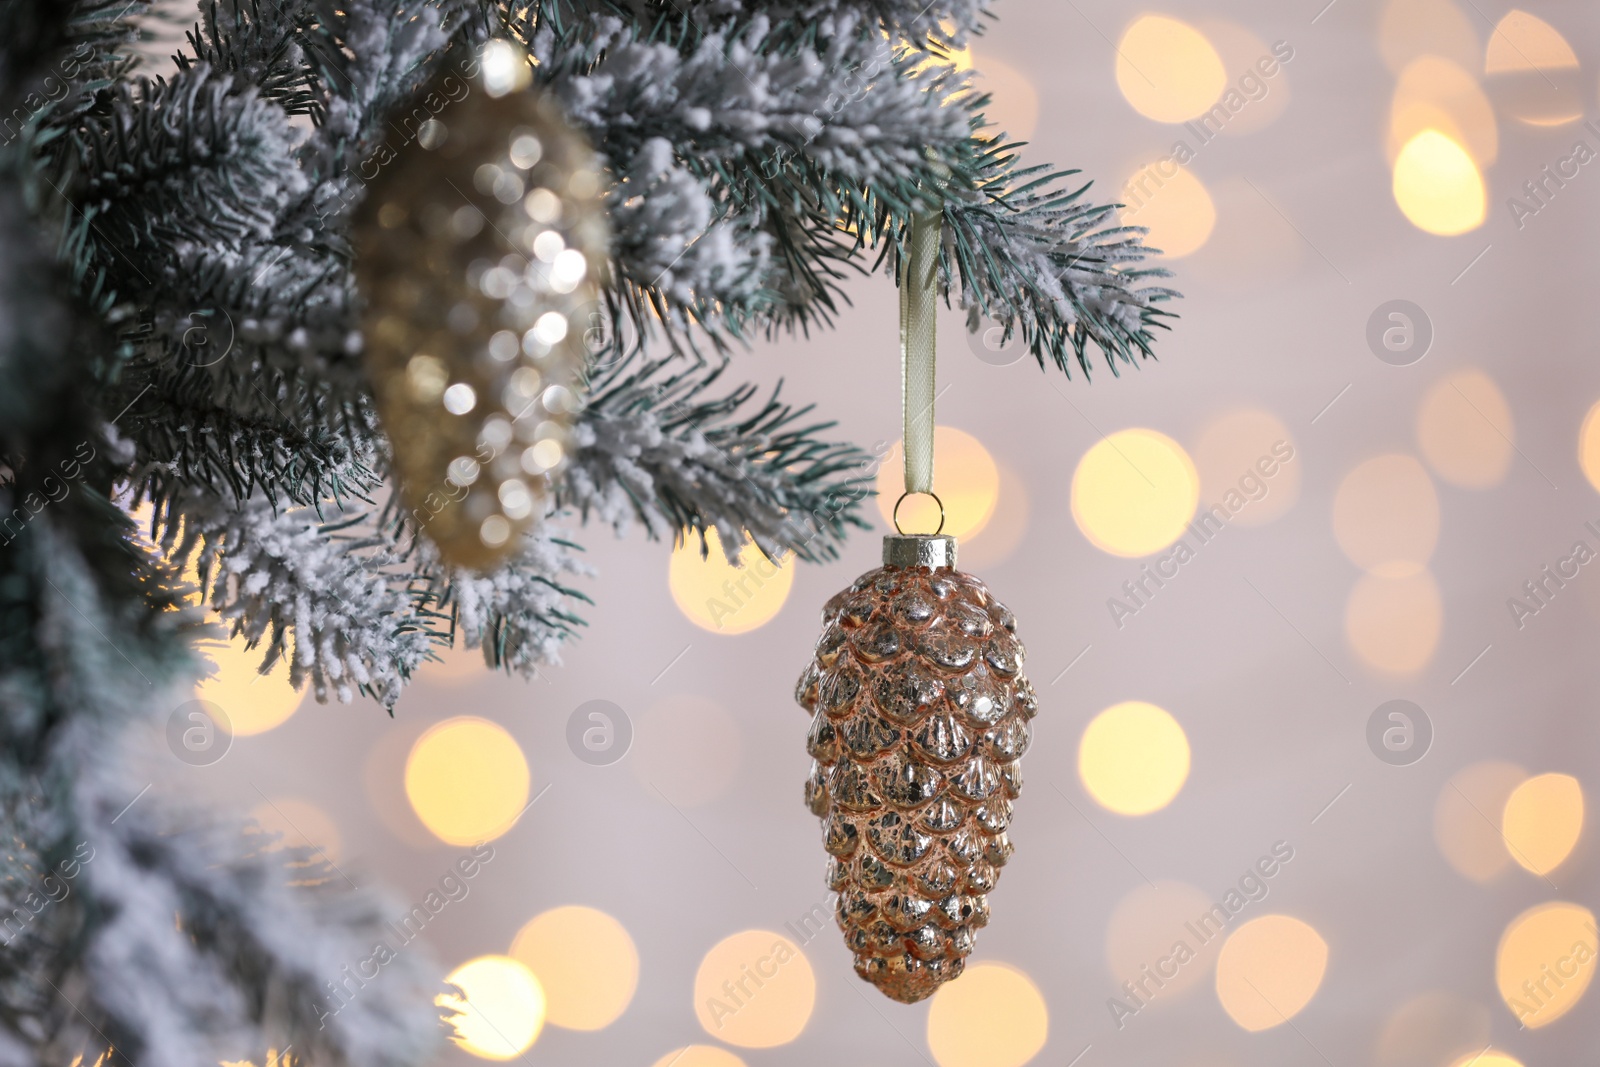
{"x":479,"y":249}
{"x":920,"y":715}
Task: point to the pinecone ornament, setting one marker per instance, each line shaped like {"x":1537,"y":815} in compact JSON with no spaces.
{"x":920,"y":715}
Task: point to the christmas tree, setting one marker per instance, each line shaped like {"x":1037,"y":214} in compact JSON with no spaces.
{"x":181,"y":335}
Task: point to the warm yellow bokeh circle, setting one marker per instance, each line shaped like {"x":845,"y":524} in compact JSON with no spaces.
{"x":503,"y":1009}
{"x":699,"y":1056}
{"x":1589,"y":446}
{"x":1134,"y":758}
{"x":1467,"y":818}
{"x":253,"y":702}
{"x":467,"y":780}
{"x":1172,"y":204}
{"x":718,"y":596}
{"x":992,"y":1016}
{"x":1168,"y":70}
{"x":1543,"y":820}
{"x":586,"y":963}
{"x":1269,"y":969}
{"x":754,"y":989}
{"x":964,"y":476}
{"x":1437,"y":185}
{"x":1546,"y":961}
{"x":1465,"y":431}
{"x":1386,"y":516}
{"x":1486,"y":1059}
{"x":1394,"y":624}
{"x":1134,"y":492}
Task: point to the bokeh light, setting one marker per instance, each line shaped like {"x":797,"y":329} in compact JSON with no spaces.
{"x":1436,"y":94}
{"x":1242,"y":51}
{"x":1172,"y":204}
{"x":1134,"y":492}
{"x":253,"y":702}
{"x":1006,"y":528}
{"x":467,"y":780}
{"x":699,"y":1056}
{"x":686,"y":748}
{"x":1465,"y":430}
{"x":1435,"y":1027}
{"x":1486,"y":1059}
{"x":1589,"y":446}
{"x":1386,"y":516}
{"x":1437,"y":185}
{"x":586,"y":963}
{"x":725,"y":598}
{"x":1133,"y":758}
{"x":1546,"y":961}
{"x":992,"y":1016}
{"x":1240,"y":459}
{"x":964,"y":475}
{"x":1533,"y":71}
{"x":1543,"y":820}
{"x":502,"y":1010}
{"x":1144,"y":927}
{"x":1269,"y":969}
{"x":299,"y":824}
{"x":1410,"y":29}
{"x":1467,"y":818}
{"x":1168,"y":70}
{"x":1394,"y":624}
{"x":754,"y":989}
{"x":1014,"y":108}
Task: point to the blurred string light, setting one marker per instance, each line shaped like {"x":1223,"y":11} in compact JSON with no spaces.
{"x":686,"y":750}
{"x":1532,"y":71}
{"x":1394,"y":624}
{"x":1589,"y":446}
{"x":299,"y":824}
{"x":1143,"y":928}
{"x":1436,"y":1027}
{"x":1542,"y":821}
{"x":253,"y":702}
{"x":723,"y":597}
{"x":1241,"y":51}
{"x":754,"y":989}
{"x":502,"y":1010}
{"x":1231,"y":452}
{"x":1546,"y":961}
{"x":1133,"y":758}
{"x":1465,"y":430}
{"x":969,"y":485}
{"x":1167,"y":69}
{"x":1172,"y":204}
{"x":993,"y":1017}
{"x":467,"y":780}
{"x":1409,"y":29}
{"x":699,"y":1056}
{"x":1435,"y":93}
{"x":1437,"y":185}
{"x":585,"y":962}
{"x":1269,"y":969}
{"x":1467,"y":818}
{"x":1006,"y":528}
{"x":1486,"y":1059}
{"x":1134,"y":492}
{"x":1386,"y":516}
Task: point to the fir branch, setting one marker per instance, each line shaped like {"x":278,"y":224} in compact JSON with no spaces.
{"x":650,"y":448}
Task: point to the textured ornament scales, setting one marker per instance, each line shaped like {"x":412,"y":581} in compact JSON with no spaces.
{"x":479,"y":249}
{"x":920,"y":715}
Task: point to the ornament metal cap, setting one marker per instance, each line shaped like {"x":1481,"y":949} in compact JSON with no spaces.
{"x":919,"y":550}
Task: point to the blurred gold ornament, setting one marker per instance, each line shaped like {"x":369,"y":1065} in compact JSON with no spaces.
{"x":920,"y":716}
{"x":479,"y":251}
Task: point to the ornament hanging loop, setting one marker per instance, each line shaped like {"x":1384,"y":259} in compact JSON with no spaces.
{"x":918,"y":307}
{"x":902,"y":500}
